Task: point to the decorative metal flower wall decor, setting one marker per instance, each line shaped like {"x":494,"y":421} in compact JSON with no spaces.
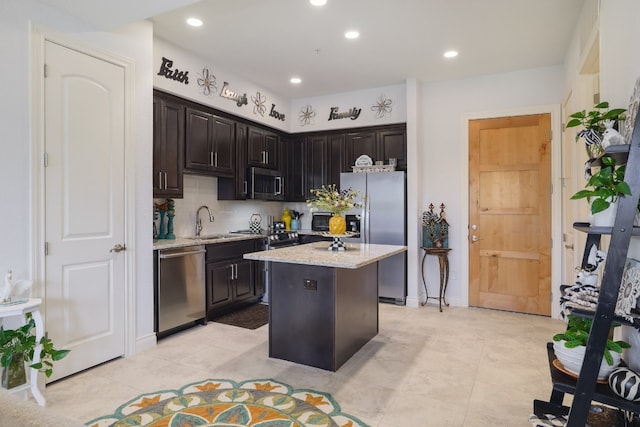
{"x":207,"y":81}
{"x":307,"y":113}
{"x":383,"y":106}
{"x":259,"y":103}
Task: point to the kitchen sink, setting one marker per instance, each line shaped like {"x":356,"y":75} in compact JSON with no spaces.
{"x":211,"y":237}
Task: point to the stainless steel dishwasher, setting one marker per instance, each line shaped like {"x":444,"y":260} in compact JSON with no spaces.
{"x":180,"y":293}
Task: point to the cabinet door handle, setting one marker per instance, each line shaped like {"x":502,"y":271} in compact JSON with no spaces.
{"x":267,"y":156}
{"x":264,"y":157}
{"x":166,"y":185}
{"x":215,"y":159}
{"x":278,"y":189}
{"x":245,"y":187}
{"x":211,"y":158}
{"x":160,"y":180}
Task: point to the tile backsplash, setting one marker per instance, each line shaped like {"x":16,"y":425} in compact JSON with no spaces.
{"x":230,"y":215}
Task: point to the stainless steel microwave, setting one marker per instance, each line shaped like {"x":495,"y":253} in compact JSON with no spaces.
{"x":265,"y":184}
{"x":320,"y":221}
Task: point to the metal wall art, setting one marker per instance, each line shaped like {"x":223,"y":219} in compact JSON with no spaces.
{"x":307,"y":113}
{"x":435,"y":228}
{"x":258,"y":103}
{"x":275,"y":114}
{"x":382,"y":107}
{"x":352,"y":114}
{"x":240,"y":100}
{"x":207,"y":81}
{"x":167,"y":72}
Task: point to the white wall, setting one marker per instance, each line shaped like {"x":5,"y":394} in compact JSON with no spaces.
{"x":445,"y":105}
{"x":133,"y":41}
{"x":363,"y":102}
{"x":189,"y":61}
{"x":619,"y":69}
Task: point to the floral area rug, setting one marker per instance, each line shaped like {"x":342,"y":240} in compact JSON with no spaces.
{"x":225,"y":403}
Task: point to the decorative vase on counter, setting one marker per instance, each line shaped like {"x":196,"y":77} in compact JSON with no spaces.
{"x":295,"y":224}
{"x":337,"y":224}
{"x":170,"y":234}
{"x":161,"y":232}
{"x":286,"y":218}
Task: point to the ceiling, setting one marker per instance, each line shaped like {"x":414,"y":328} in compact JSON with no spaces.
{"x":270,"y":41}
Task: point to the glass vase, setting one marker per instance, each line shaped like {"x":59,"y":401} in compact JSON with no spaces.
{"x":15,"y":374}
{"x":337,"y":224}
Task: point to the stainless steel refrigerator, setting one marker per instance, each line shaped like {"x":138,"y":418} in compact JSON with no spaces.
{"x":383,"y":221}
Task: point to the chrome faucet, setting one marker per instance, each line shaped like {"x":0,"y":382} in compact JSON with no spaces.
{"x":199,"y":222}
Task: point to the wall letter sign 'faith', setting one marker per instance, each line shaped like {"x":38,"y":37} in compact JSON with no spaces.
{"x":177,"y":75}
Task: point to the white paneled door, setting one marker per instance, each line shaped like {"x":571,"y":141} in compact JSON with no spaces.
{"x":84,"y":192}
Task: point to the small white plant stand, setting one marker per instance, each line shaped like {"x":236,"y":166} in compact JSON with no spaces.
{"x":32,"y":305}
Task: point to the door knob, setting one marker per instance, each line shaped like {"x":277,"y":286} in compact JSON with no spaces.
{"x":474,"y":238}
{"x":118,"y":248}
{"x":474,"y":227}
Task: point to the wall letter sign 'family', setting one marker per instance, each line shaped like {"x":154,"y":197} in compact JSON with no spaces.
{"x":353,"y":113}
{"x":177,"y":75}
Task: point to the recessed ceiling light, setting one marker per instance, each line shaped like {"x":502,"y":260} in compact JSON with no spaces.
{"x":296,"y":80}
{"x":194,"y":22}
{"x":352,"y":34}
{"x":451,"y":54}
{"x":318,"y":2}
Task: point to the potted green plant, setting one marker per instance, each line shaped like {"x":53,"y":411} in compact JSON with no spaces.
{"x":570,"y":347}
{"x":605,"y":186}
{"x":18,"y":346}
{"x":594,"y":123}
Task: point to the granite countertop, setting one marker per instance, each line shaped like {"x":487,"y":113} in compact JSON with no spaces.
{"x":357,"y":254}
{"x":180,"y":242}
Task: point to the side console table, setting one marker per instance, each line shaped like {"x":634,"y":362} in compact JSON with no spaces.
{"x":32,"y":305}
{"x":443,"y":262}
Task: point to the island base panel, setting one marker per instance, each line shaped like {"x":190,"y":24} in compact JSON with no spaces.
{"x":321,"y":316}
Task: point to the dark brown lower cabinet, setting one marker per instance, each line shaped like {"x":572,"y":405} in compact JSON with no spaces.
{"x":231,"y":279}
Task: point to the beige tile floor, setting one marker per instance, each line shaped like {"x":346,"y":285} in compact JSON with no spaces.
{"x":463,"y":367}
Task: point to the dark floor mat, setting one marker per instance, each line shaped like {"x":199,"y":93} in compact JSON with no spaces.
{"x":251,"y":317}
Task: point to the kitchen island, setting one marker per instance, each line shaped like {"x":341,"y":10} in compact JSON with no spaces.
{"x":323,"y":305}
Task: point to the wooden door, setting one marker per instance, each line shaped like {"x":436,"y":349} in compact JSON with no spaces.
{"x":569,"y":211}
{"x":84,"y":207}
{"x":510,"y":213}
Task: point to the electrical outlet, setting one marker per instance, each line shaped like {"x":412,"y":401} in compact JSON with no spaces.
{"x":311,"y":285}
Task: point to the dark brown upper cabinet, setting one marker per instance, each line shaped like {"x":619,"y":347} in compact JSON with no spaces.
{"x":210,"y":143}
{"x":293,"y":155}
{"x":236,"y":187}
{"x":337,"y":158}
{"x":380,"y":144}
{"x":360,"y":143}
{"x":263,"y":148}
{"x":317,"y":163}
{"x":168,"y":146}
{"x":392,"y":144}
